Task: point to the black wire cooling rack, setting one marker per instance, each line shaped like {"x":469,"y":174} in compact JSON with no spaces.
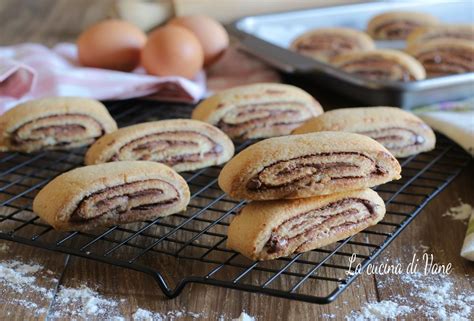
{"x":190,"y":246}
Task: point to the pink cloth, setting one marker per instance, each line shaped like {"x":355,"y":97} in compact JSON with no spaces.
{"x":30,"y":71}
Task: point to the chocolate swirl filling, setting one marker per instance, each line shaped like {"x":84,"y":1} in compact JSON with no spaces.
{"x":170,"y":148}
{"x":295,"y":232}
{"x":397,"y":29}
{"x":58,"y":130}
{"x":447,"y":61}
{"x":378,"y":69}
{"x":135,"y":197}
{"x":395,"y":137}
{"x":314,"y":170}
{"x":242,"y":121}
{"x":326,"y":45}
{"x":453,"y":34}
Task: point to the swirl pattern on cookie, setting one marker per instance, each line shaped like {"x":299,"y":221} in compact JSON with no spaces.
{"x":258,"y":110}
{"x":323,"y":44}
{"x":442,"y":57}
{"x":110,"y":194}
{"x":423,"y":34}
{"x":54,"y":123}
{"x":268,"y":230}
{"x":387,"y":65}
{"x":401,"y":132}
{"x":398,"y":24}
{"x":183,"y":144}
{"x":307,"y":165}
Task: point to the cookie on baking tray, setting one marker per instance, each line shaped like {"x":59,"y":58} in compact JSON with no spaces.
{"x":381,"y":64}
{"x":423,"y":34}
{"x":54,"y":123}
{"x":270,"y":229}
{"x":258,"y":110}
{"x":441,"y":57}
{"x":183,"y":144}
{"x":397,"y":25}
{"x":307,"y":165}
{"x":323,"y":44}
{"x":401,"y":132}
{"x":112,"y":193}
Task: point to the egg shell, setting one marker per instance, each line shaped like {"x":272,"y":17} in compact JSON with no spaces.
{"x":111,"y":44}
{"x":211,"y":34}
{"x":172,"y":51}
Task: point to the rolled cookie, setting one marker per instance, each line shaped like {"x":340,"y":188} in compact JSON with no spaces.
{"x":423,"y":34}
{"x":401,"y":132}
{"x":307,"y":165}
{"x":381,"y":64}
{"x":398,"y":24}
{"x":323,"y":44}
{"x":112,"y":193}
{"x":182,"y":144}
{"x":258,"y":111}
{"x":54,"y":123}
{"x":442,"y":57}
{"x":270,"y":229}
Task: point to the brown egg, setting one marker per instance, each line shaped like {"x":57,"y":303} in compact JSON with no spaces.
{"x":111,"y":44}
{"x":211,"y":34}
{"x":172,"y":51}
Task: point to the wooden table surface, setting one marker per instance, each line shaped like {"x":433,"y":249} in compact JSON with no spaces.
{"x":50,"y":21}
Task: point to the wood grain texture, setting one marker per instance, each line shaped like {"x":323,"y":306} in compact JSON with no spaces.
{"x":52,"y":21}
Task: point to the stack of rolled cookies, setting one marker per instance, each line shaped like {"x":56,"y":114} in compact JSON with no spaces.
{"x":306,"y":191}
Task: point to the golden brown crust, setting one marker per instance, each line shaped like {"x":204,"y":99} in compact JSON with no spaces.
{"x":325,"y":43}
{"x":251,"y":230}
{"x":183,"y":144}
{"x":57,"y":202}
{"x":258,"y":110}
{"x":427,"y":33}
{"x":379,"y":123}
{"x":307,"y":165}
{"x":398,"y":24}
{"x":52,"y":112}
{"x":442,"y":57}
{"x":381,"y":64}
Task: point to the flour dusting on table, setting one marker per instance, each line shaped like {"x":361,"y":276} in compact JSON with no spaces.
{"x":433,"y":296}
{"x":4,"y":248}
{"x":145,"y":315}
{"x":439,"y":299}
{"x":22,"y":279}
{"x":244,"y":317}
{"x":84,"y":302}
{"x":380,"y":310}
{"x":462,"y":212}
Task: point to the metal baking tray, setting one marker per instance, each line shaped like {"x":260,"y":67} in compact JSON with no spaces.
{"x":268,"y":37}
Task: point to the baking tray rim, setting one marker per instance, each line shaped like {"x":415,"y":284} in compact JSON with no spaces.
{"x":296,"y":63}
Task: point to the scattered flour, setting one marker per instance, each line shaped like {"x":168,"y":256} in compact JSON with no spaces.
{"x":379,"y":310}
{"x":462,"y":212}
{"x":145,"y":315}
{"x":244,"y":317}
{"x":4,"y":248}
{"x":433,"y":296}
{"x":142,"y":315}
{"x":20,"y":277}
{"x":439,"y":300}
{"x":80,"y":303}
{"x":84,"y":302}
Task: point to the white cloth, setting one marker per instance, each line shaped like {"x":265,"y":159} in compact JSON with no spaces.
{"x":467,"y":250}
{"x":29,"y":71}
{"x":453,"y":119}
